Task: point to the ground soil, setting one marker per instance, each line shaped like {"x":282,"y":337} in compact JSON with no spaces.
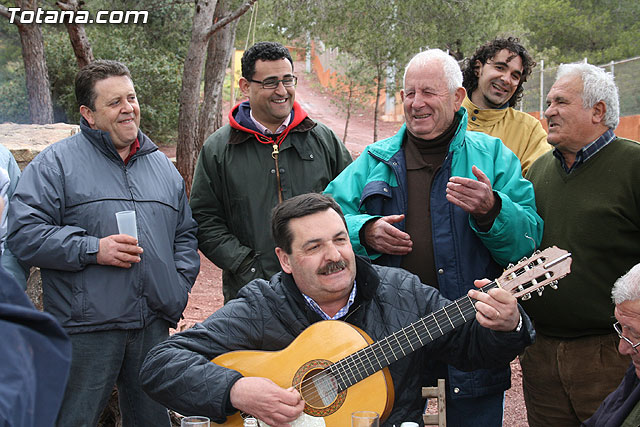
{"x":206,"y":295}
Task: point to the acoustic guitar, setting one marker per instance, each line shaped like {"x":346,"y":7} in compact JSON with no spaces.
{"x":336,"y":367}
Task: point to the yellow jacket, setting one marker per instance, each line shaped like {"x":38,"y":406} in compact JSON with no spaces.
{"x":520,"y":132}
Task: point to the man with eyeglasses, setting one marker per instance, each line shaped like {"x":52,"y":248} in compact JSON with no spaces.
{"x":621,"y":407}
{"x":270,"y":151}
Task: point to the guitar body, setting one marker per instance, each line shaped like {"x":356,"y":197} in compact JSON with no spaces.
{"x":316,"y":347}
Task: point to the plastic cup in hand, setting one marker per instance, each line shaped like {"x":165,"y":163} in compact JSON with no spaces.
{"x":365,"y":419}
{"x":127,"y":223}
{"x":195,"y":422}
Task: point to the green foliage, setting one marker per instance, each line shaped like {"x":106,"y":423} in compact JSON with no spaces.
{"x":570,"y":30}
{"x":154,"y":53}
{"x":13,"y":94}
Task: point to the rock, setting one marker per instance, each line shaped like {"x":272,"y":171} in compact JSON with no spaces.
{"x":26,"y":141}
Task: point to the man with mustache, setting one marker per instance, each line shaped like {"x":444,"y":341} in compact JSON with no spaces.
{"x":493,"y":78}
{"x":114,"y":294}
{"x":322,"y":279}
{"x":270,"y":151}
{"x":446,"y":204}
{"x":587,"y":192}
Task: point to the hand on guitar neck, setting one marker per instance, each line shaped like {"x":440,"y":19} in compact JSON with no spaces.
{"x":497,"y":309}
{"x":266,"y":400}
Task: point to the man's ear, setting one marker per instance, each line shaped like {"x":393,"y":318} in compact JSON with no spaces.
{"x":283,"y":257}
{"x":244,"y":86}
{"x":476,"y":67}
{"x":402,"y":95}
{"x":458,"y":97}
{"x":598,"y":112}
{"x":87,"y":113}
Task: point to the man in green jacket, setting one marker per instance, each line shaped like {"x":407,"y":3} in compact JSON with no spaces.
{"x":587,"y":192}
{"x":270,"y":151}
{"x":446,"y":204}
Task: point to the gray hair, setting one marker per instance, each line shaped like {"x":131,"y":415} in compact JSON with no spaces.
{"x":597,"y":85}
{"x":627,"y":287}
{"x":449,"y":65}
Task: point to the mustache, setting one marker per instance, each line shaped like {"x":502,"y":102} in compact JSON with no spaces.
{"x":332,"y":267}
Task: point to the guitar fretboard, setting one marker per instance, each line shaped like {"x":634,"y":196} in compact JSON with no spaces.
{"x":380,"y":354}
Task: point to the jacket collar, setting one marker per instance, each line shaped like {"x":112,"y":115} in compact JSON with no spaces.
{"x":102,"y":141}
{"x":242,"y":128}
{"x":366,"y":277}
{"x":387,"y":148}
{"x":484,"y":117}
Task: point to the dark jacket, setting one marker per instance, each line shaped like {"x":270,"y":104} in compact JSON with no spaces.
{"x":376,"y":185}
{"x":269,"y":315}
{"x":617,"y":406}
{"x":235,"y":188}
{"x":66,"y":202}
{"x":35,"y":357}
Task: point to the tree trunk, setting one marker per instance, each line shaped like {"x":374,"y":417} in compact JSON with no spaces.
{"x":377,"y":106}
{"x":188,"y":126}
{"x":187,"y":148}
{"x":218,"y":55}
{"x":77,"y":35}
{"x":35,"y":68}
{"x":346,"y":122}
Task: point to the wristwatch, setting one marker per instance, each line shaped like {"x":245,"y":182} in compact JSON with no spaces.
{"x":519,"y":327}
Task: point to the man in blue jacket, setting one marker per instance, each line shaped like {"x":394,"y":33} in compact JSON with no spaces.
{"x":36,"y":354}
{"x":447,"y":204}
{"x":114,"y":294}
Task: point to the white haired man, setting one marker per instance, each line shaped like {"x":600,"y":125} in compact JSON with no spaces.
{"x":588,"y":195}
{"x":447,"y":205}
{"x":621,"y":407}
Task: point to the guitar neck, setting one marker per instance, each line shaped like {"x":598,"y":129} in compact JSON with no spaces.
{"x":380,"y":354}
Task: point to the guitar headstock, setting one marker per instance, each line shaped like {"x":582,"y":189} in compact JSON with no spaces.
{"x":540,"y":269}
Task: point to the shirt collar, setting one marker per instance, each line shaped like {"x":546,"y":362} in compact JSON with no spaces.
{"x":344,"y":310}
{"x":134,"y":148}
{"x":263,"y":130}
{"x":586,"y":152}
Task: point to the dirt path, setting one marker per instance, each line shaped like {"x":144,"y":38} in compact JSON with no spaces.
{"x":206,"y":295}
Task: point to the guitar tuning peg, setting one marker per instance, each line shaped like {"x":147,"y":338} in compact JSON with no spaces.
{"x":553,"y":285}
{"x":524,"y":258}
{"x":537,"y":252}
{"x":539,"y":290}
{"x":520,"y":288}
{"x":510,"y":265}
{"x":526,"y":297}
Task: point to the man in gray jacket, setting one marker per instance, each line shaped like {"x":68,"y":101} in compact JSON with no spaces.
{"x":322,"y":279}
{"x":114,"y":294}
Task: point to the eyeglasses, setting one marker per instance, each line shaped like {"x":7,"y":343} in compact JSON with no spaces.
{"x":618,"y":329}
{"x":272,"y":83}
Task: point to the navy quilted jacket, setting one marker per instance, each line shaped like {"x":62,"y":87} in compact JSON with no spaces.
{"x":269,"y":315}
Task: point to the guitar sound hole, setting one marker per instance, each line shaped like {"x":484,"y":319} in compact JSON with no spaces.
{"x":319,"y":388}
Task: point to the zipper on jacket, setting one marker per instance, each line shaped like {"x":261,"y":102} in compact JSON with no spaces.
{"x":275,"y":157}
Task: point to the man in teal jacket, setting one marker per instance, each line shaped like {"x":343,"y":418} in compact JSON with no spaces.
{"x":478,"y":216}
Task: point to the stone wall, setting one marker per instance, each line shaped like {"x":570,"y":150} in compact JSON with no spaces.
{"x":26,"y":141}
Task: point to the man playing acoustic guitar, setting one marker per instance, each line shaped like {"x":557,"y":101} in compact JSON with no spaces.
{"x":322,"y":279}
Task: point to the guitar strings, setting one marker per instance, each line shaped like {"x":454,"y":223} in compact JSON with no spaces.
{"x":355,"y":362}
{"x":354,"y":365}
